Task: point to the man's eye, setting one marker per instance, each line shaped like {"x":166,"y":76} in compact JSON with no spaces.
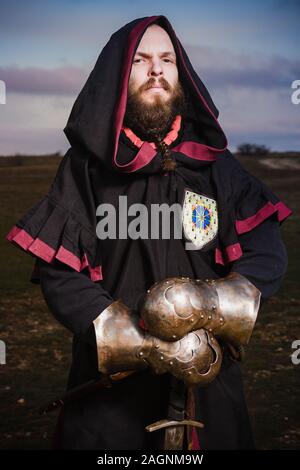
{"x":136,"y":61}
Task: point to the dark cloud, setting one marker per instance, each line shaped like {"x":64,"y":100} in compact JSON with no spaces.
{"x":218,"y":69}
{"x":67,"y":80}
{"x":221,"y":68}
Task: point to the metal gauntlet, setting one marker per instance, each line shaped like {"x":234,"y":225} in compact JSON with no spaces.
{"x":122,"y":345}
{"x":226,"y":307}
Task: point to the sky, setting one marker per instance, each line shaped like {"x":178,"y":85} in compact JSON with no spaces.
{"x":246,"y":53}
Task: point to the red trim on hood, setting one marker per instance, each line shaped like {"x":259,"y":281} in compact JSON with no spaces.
{"x":189,"y":148}
{"x":197,"y":151}
{"x":245,"y":225}
{"x":202,"y":99}
{"x":42,"y":250}
{"x":121,"y":105}
{"x":142,"y":159}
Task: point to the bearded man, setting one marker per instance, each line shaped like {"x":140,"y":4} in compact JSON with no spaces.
{"x":166,"y":315}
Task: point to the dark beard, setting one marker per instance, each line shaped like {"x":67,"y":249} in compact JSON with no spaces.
{"x":152,"y":121}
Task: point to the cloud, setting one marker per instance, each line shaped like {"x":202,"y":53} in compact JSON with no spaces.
{"x":259,"y":116}
{"x":252,"y":92}
{"x":66,"y":80}
{"x":34,"y":124}
{"x":223,"y":68}
{"x":35,"y":141}
{"x":219,"y":68}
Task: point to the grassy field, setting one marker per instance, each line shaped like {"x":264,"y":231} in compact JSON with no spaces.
{"x":38,"y":348}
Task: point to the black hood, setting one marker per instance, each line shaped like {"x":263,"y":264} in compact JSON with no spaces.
{"x":101,"y":165}
{"x":96,"y":118}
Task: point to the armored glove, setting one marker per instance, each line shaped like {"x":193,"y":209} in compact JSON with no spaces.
{"x":122,"y":345}
{"x":226,"y":307}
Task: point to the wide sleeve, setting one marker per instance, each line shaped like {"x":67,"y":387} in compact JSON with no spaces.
{"x":61,"y":226}
{"x":245,"y":204}
{"x":254,"y":202}
{"x":74,"y":300}
{"x":264,"y":258}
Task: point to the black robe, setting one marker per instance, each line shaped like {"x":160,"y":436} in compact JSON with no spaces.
{"x":81,"y":275}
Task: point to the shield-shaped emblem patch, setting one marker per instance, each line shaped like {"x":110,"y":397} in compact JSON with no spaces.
{"x":199,"y":218}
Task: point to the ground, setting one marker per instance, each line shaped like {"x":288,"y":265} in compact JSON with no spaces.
{"x":38,"y":348}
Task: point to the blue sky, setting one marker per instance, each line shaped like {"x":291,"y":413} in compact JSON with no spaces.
{"x":247,"y":53}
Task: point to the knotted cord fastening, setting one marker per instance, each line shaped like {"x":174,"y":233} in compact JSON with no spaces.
{"x":168,"y":162}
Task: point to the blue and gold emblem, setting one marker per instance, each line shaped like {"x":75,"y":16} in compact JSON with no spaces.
{"x":199,"y":219}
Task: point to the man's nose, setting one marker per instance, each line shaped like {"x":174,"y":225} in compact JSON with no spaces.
{"x":155,"y":68}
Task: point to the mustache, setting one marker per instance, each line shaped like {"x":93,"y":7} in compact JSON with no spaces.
{"x":162,"y":82}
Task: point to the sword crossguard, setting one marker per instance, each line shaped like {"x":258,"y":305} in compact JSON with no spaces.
{"x":166,"y":423}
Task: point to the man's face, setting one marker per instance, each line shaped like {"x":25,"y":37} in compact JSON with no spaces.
{"x":154,"y":73}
